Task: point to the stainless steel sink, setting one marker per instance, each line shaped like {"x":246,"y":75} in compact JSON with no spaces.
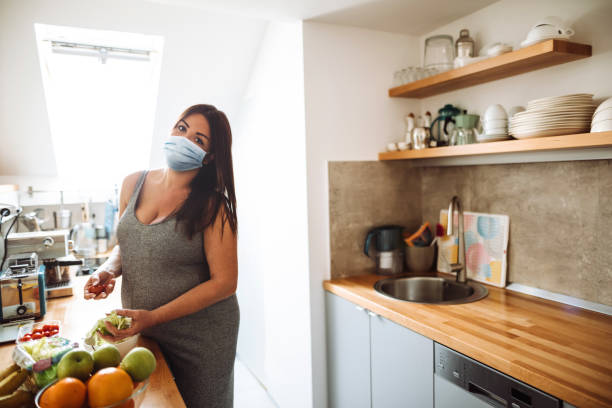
{"x":433,"y":290}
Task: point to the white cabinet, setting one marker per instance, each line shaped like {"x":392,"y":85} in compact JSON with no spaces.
{"x":348,"y":341}
{"x":373,"y":362}
{"x":401,"y":366}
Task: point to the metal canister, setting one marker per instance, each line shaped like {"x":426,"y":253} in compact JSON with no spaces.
{"x":464,"y":46}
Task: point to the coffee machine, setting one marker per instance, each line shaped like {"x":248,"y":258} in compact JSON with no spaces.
{"x":22,"y":293}
{"x":388,"y":249}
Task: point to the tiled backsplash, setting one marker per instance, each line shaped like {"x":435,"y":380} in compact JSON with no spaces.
{"x":363,"y":195}
{"x":560,"y":215}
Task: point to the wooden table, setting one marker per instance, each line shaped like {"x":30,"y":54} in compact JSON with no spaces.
{"x":79,"y":315}
{"x":563,"y":350}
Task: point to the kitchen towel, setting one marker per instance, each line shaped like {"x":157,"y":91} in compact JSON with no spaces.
{"x":486,"y":246}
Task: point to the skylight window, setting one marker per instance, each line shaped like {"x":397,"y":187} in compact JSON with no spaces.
{"x":101,"y":92}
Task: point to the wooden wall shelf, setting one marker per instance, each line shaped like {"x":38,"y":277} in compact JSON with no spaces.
{"x":578,"y":141}
{"x":537,"y":56}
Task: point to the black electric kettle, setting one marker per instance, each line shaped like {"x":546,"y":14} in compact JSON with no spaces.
{"x":388,"y":248}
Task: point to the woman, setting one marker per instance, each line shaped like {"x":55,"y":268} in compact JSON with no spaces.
{"x":177,"y":256}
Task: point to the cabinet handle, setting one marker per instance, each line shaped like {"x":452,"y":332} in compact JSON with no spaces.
{"x":372,"y":314}
{"x":361,"y":309}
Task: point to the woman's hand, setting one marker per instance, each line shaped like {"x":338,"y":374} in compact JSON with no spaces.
{"x":141,"y":319}
{"x":99,"y":285}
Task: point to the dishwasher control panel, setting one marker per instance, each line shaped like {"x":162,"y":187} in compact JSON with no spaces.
{"x":492,"y":386}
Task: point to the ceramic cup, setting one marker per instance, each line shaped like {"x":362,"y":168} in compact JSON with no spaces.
{"x":420,"y":259}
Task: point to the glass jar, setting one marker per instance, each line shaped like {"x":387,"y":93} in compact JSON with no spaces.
{"x":462,"y":136}
{"x":464,"y":46}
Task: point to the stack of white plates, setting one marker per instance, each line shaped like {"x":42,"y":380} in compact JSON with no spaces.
{"x":554,"y":116}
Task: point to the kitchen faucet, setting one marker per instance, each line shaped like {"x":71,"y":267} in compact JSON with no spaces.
{"x":458,"y":267}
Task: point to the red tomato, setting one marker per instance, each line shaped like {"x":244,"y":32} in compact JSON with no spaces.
{"x":97,"y":289}
{"x":47,"y":333}
{"x":37,"y":331}
{"x":27,"y":337}
{"x":46,"y":327}
{"x":36,"y":336}
{"x":54,"y":332}
{"x":54,"y":327}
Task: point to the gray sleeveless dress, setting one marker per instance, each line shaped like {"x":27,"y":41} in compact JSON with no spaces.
{"x":158,"y":265}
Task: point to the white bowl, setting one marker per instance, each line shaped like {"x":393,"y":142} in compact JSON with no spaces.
{"x":496,"y":131}
{"x":604,"y":114}
{"x":495,"y":49}
{"x":494,"y":112}
{"x":603,"y":126}
{"x":391,"y":147}
{"x":124,"y":346}
{"x":403,"y":145}
{"x":514,"y":110}
{"x":604,"y":105}
{"x":549,"y":27}
{"x":495,"y":122}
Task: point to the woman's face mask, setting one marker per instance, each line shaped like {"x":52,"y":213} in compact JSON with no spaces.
{"x":182,"y":154}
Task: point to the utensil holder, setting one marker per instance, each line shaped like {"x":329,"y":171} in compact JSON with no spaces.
{"x":420,"y":259}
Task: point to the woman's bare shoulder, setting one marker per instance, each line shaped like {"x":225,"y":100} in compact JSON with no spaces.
{"x":129,"y":183}
{"x":128,"y":187}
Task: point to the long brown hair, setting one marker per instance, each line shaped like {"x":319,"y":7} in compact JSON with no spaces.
{"x":212,"y":189}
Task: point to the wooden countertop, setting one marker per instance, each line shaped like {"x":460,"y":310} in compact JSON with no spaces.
{"x":78,"y":317}
{"x":563,"y":350}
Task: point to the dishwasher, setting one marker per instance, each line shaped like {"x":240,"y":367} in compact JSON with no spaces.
{"x":461,"y":382}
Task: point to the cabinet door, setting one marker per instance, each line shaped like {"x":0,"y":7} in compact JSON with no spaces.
{"x":402,"y":366}
{"x":348,"y":354}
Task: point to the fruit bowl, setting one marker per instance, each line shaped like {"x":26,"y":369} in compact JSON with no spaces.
{"x":133,"y":401}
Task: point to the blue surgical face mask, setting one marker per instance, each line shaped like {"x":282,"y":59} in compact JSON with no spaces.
{"x":182,"y":154}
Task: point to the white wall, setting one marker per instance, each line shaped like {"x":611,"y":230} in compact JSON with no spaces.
{"x":207,"y":58}
{"x":349,"y":116}
{"x":509,"y":21}
{"x":270,"y":166}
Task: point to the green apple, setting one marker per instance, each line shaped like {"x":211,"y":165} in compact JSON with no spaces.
{"x":139,"y":363}
{"x":106,"y":356}
{"x":76,"y":363}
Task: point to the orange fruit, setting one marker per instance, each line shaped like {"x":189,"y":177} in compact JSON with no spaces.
{"x":66,"y":393}
{"x":109,"y":386}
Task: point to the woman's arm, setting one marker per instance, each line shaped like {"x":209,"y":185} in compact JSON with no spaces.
{"x":111,"y":269}
{"x":105,"y":276}
{"x":221,"y":253}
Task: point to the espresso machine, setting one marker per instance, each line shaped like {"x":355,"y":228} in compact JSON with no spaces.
{"x":22,"y":293}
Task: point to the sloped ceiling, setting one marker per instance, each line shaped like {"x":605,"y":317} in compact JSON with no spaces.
{"x":414,"y":17}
